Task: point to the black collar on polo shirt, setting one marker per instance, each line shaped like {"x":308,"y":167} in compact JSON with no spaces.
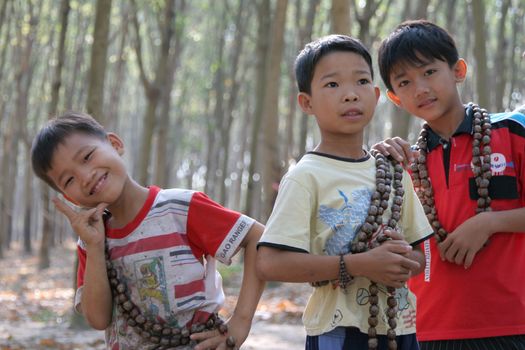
{"x":434,"y":140}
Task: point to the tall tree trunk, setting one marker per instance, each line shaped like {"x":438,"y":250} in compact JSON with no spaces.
{"x":97,"y":73}
{"x":77,"y":54}
{"x":517,"y":27}
{"x":215,"y":123}
{"x":305,"y":37}
{"x":47,"y":225}
{"x":422,"y":9}
{"x":263,"y":34}
{"x":236,"y":52}
{"x":57,"y":79}
{"x":272,"y":170}
{"x":153,"y":89}
{"x":340,"y":16}
{"x":451,"y":15}
{"x":500,"y":74}
{"x":480,"y":53}
{"x":162,"y":166}
{"x":27,"y":208}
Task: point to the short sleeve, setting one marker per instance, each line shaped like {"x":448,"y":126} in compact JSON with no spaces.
{"x":289,"y":225}
{"x":215,"y":230}
{"x":413,"y":219}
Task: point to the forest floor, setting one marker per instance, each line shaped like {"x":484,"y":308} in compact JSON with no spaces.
{"x":36,"y":307}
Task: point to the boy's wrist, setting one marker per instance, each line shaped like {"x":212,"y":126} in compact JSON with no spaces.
{"x":351,"y":264}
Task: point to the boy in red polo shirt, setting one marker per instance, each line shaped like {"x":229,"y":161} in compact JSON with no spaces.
{"x":471,"y":295}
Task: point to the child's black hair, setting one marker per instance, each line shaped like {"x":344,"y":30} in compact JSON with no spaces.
{"x":308,"y":58}
{"x":415,"y":42}
{"x":55,"y":133}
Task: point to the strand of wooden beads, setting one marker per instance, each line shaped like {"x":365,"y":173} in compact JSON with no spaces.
{"x":365,"y":240}
{"x":481,"y":155}
{"x":165,"y":337}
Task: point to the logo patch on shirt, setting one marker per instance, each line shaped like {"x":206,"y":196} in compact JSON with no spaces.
{"x":498,"y":163}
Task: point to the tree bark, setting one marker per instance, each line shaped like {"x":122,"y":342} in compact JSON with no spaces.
{"x":480,"y":54}
{"x":162,"y":167}
{"x":271,"y":174}
{"x":99,"y":50}
{"x":263,"y":35}
{"x":500,"y":75}
{"x":153,"y":89}
{"x":305,"y":37}
{"x":236,"y":53}
{"x":340,"y":16}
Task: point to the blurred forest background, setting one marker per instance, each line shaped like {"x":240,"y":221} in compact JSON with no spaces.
{"x":203,"y":92}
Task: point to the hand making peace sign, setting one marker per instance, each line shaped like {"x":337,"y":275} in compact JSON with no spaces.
{"x":87,"y":223}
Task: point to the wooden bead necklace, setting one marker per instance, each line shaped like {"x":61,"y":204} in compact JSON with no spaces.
{"x":163,"y":336}
{"x":365,"y":240}
{"x":481,"y":154}
{"x":371,"y":235}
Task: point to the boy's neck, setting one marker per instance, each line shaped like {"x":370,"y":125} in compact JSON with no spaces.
{"x":446,"y":125}
{"x":126,"y":208}
{"x":344,"y":149}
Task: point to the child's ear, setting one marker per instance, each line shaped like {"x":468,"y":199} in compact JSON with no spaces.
{"x":393,"y":97}
{"x":460,"y":70}
{"x":116,"y":142}
{"x":304,"y":101}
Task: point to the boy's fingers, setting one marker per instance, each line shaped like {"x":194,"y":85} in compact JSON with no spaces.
{"x":469,"y":259}
{"x":99,"y":210}
{"x":65,"y":209}
{"x":395,"y":150}
{"x":410,"y":264}
{"x":380,"y":147}
{"x":394,"y":234}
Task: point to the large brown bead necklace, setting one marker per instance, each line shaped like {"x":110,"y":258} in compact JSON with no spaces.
{"x":481,"y":153}
{"x":162,"y":336}
{"x":365,"y":240}
{"x":371,"y":235}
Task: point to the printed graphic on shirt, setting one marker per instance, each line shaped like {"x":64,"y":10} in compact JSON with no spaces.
{"x":151,"y":283}
{"x":345,"y":221}
{"x":337,"y":318}
{"x":401,"y":295}
{"x":498,"y":164}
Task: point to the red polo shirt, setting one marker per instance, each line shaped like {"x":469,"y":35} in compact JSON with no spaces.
{"x":488,"y":299}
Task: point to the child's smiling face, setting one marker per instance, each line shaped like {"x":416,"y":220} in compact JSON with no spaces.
{"x":89,"y":170}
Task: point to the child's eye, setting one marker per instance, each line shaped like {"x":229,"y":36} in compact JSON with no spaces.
{"x":363,"y":81}
{"x":68,"y":182}
{"x":332,"y":84}
{"x":430,"y":72}
{"x":403,"y":83}
{"x":89,"y":155}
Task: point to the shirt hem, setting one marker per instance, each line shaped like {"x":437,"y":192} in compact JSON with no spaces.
{"x":471,"y":334}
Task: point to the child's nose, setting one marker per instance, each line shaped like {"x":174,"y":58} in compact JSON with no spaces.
{"x":86,"y":176}
{"x":351,"y":96}
{"x":422,"y":89}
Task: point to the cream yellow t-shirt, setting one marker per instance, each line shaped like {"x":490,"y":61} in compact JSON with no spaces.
{"x":321,"y":203}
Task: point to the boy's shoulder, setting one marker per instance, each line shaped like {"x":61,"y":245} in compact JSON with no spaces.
{"x":514,"y":116}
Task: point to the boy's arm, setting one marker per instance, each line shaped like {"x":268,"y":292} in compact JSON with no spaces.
{"x":96,"y":301}
{"x":463,"y":244}
{"x":386,"y":264}
{"x":251,"y":289}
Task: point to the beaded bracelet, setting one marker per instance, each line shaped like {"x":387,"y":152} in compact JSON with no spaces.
{"x":345,"y":279}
